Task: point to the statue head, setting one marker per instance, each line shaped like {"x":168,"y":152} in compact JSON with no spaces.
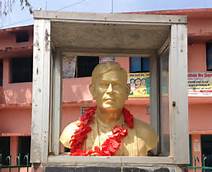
{"x":109,"y":86}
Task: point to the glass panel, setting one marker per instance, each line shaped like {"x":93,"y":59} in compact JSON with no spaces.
{"x":164,"y":104}
{"x":1,"y":72}
{"x":209,"y":56}
{"x":77,"y":98}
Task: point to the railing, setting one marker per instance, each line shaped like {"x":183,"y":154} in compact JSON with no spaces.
{"x":8,"y":166}
{"x":26,"y":164}
{"x":202,"y":168}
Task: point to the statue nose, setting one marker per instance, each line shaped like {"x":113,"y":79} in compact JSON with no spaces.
{"x":109,"y":88}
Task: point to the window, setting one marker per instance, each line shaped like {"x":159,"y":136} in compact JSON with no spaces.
{"x":4,"y":150}
{"x":21,"y":70}
{"x":24,"y":150}
{"x":22,"y":36}
{"x":139,"y":64}
{"x":209,"y":56}
{"x":86,"y":65}
{"x":1,"y":72}
{"x":206,"y":144}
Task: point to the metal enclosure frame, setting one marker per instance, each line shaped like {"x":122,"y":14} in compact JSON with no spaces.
{"x":46,"y":101}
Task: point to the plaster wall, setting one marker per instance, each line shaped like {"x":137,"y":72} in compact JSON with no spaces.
{"x":17,"y":94}
{"x":199,"y":26}
{"x":15,"y":121}
{"x":8,"y":39}
{"x":76,"y":90}
{"x":197,"y":57}
{"x":200,"y":118}
{"x":124,"y":62}
{"x":196,"y":151}
{"x":70,"y":114}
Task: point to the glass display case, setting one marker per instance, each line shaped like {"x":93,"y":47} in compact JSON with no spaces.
{"x":163,"y":39}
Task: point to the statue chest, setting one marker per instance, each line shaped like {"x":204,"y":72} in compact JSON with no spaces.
{"x":131,"y":145}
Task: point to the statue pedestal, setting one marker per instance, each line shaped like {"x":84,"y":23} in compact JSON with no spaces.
{"x":152,"y":168}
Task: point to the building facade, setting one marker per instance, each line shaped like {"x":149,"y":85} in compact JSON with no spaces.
{"x":199,"y":61}
{"x":16,"y":88}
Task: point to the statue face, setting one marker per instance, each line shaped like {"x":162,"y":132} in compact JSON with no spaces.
{"x":110,"y":90}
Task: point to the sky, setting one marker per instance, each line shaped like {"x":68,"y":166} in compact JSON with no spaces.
{"x":19,"y":17}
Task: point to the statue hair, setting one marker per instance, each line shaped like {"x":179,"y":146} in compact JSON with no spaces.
{"x":103,"y":68}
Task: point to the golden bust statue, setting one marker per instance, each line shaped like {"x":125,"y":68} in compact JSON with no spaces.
{"x":109,"y":129}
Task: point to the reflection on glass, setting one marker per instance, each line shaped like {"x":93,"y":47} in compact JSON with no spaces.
{"x":108,"y":129}
{"x":164,"y":104}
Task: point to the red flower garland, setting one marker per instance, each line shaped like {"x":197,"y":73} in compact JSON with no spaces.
{"x":109,"y":146}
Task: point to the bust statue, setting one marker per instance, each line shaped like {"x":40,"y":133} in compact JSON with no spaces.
{"x":109,"y":129}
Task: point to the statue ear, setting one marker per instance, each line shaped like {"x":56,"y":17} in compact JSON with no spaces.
{"x":92,"y":90}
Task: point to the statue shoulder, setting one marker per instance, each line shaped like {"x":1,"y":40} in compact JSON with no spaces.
{"x":146,"y":133}
{"x":67,"y":132}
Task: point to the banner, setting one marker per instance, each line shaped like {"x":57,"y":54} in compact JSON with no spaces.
{"x":200,"y":84}
{"x":139,"y":84}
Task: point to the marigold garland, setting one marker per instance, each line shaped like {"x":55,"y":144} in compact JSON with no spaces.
{"x":110,"y":146}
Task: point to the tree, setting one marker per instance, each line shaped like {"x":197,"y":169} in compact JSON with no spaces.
{"x":6,"y":6}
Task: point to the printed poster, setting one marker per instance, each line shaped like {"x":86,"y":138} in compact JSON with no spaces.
{"x":139,"y":84}
{"x":200,"y":84}
{"x":69,"y":66}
